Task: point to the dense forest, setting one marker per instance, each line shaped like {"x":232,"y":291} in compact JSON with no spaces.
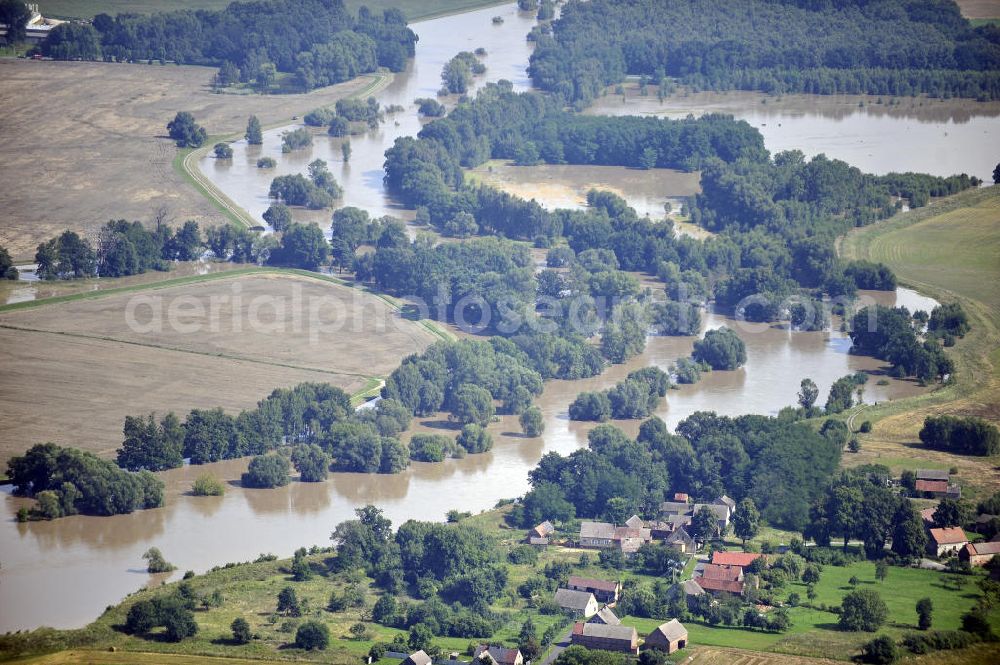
{"x":883,"y":47}
{"x":317,"y":41}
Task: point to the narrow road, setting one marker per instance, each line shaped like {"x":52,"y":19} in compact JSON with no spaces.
{"x":557,"y":647}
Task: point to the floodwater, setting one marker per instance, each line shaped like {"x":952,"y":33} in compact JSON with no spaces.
{"x":65,"y":572}
{"x":940,"y":137}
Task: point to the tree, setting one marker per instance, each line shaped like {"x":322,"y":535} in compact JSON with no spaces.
{"x":311,"y":462}
{"x":241,"y":631}
{"x":7,"y":269}
{"x":880,"y":651}
{"x":808,"y":392}
{"x":996,"y":175}
{"x":288,"y":602}
{"x":345,"y":151}
{"x":302,"y":246}
{"x":223,"y":151}
{"x":15,"y":15}
{"x":862,"y":609}
{"x":952,"y":512}
{"x":279,"y":216}
{"x":704,"y":525}
{"x":811,"y":574}
{"x":266,"y":471}
{"x":253,"y":135}
{"x":475,"y":439}
{"x":909,"y":537}
{"x":178,"y":620}
{"x":721,"y":349}
{"x":881,"y":570}
{"x":532,"y":421}
{"x":925,"y":613}
{"x":746,"y":521}
{"x":185,"y":131}
{"x":312,"y":635}
{"x":150,"y":446}
{"x":473,"y":404}
{"x":156,"y":563}
{"x":841,"y":395}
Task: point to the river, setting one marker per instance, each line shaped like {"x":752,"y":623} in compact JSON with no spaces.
{"x":63,"y":573}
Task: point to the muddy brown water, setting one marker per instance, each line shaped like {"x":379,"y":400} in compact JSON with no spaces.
{"x":65,"y":572}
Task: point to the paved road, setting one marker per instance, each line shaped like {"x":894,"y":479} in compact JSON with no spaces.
{"x":557,"y":647}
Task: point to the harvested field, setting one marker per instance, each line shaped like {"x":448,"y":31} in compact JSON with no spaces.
{"x":73,"y":370}
{"x":979,"y":8}
{"x":109,"y":158}
{"x":718,"y":656}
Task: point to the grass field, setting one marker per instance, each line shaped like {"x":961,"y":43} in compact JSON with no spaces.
{"x":74,"y":367}
{"x":414,"y":9}
{"x":950,"y":251}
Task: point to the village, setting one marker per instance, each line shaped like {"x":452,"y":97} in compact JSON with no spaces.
{"x":706,"y":573}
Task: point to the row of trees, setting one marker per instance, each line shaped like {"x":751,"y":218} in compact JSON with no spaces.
{"x":885,"y":47}
{"x":962,"y":435}
{"x":319,"y":42}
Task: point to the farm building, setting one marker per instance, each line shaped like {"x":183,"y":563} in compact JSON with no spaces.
{"x":605,"y":591}
{"x":948,"y":540}
{"x":598,"y":535}
{"x":489,"y":654}
{"x":741,"y":559}
{"x":668,"y":637}
{"x":607,"y":617}
{"x":579,"y":603}
{"x":606,"y":638}
{"x":418,"y":658}
{"x":979,"y":554}
{"x":681,"y":541}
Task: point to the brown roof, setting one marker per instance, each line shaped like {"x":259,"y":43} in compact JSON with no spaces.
{"x":680,"y":496}
{"x":932,"y":486}
{"x":708,"y":584}
{"x":927,"y":514}
{"x":714,"y":571}
{"x":984,"y":548}
{"x":951,"y":535}
{"x":592,"y":583}
{"x":499,"y":654}
{"x":735,"y":558}
{"x":673,"y":630}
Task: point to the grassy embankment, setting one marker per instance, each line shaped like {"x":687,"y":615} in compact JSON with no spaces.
{"x":250,"y":591}
{"x":949,"y":250}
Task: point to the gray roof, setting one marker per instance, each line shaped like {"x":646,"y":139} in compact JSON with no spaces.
{"x":680,"y":535}
{"x":673,"y":630}
{"x":679,"y":507}
{"x":573,"y":600}
{"x":721,"y":510}
{"x":626,"y":633}
{"x":535,"y":540}
{"x":635,"y":522}
{"x":932,"y":474}
{"x":597,"y":530}
{"x":609,"y":617}
{"x":419,"y":658}
{"x":692,"y":588}
{"x":726,"y":501}
{"x":679,"y":520}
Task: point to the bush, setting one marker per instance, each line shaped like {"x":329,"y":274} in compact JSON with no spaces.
{"x":880,"y":651}
{"x":208,"y":485}
{"x":475,"y":439}
{"x":312,"y":635}
{"x":532,"y":421}
{"x":266,"y":163}
{"x":156,"y":563}
{"x":223,"y":151}
{"x":241,"y":630}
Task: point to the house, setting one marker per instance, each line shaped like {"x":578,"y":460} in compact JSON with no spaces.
{"x":604,"y":591}
{"x":668,"y":508}
{"x":598,"y":535}
{"x":721,"y":579}
{"x":538,"y":542}
{"x":607,"y":617}
{"x":979,"y":554}
{"x":488,"y":654}
{"x":659,"y":529}
{"x":932,"y":488}
{"x":691,"y":590}
{"x":635,"y":522}
{"x":579,"y":603}
{"x":727,"y":502}
{"x":948,"y":540}
{"x":629,"y":540}
{"x":418,"y":658}
{"x":543,"y":530}
{"x":681,"y":541}
{"x":606,"y":638}
{"x":932,"y":474}
{"x":741,"y":559}
{"x":721,"y":511}
{"x":680,"y":496}
{"x":668,"y":637}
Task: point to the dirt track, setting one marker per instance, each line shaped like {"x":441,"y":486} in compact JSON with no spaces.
{"x":82,"y":143}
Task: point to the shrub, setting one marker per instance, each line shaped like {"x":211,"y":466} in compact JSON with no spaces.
{"x":880,"y":651}
{"x":266,"y":471}
{"x":241,"y":630}
{"x":312,"y":635}
{"x":266,"y":163}
{"x":208,"y":485}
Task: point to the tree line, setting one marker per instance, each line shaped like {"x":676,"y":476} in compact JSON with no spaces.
{"x":897,"y":47}
{"x":318,"y":42}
